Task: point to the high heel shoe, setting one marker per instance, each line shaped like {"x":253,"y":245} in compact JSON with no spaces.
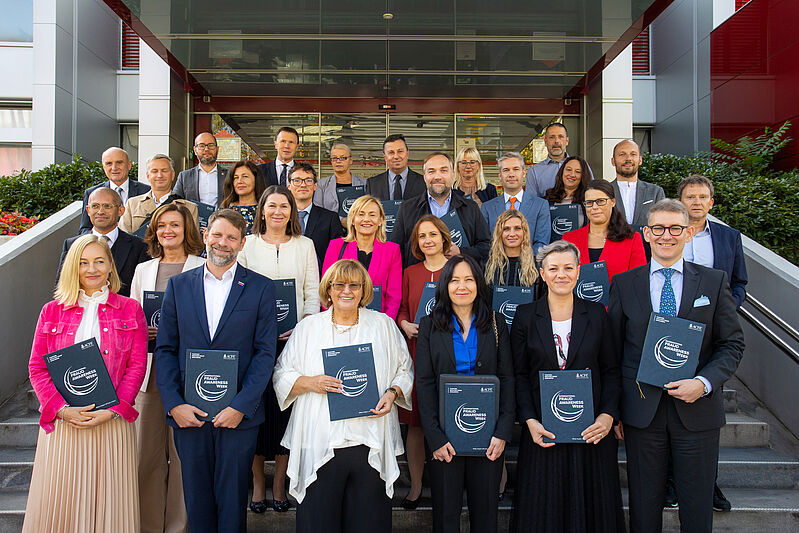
{"x":281,"y":506}
{"x":258,"y":507}
{"x":410,"y":504}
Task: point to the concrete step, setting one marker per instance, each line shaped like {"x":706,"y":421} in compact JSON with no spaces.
{"x":32,"y":400}
{"x":12,"y":510}
{"x":730,"y":401}
{"x":16,"y":467}
{"x":19,"y":432}
{"x":743,"y":431}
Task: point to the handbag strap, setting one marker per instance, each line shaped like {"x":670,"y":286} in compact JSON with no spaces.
{"x":496,"y":333}
{"x":341,"y":251}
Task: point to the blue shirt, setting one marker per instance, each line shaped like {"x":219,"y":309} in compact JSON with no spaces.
{"x":465,"y":350}
{"x":542,"y":175}
{"x":403,"y":181}
{"x":700,"y":249}
{"x":438,"y":209}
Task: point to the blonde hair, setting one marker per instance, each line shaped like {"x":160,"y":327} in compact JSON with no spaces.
{"x":68,"y":287}
{"x":346,"y":271}
{"x":480,"y":177}
{"x":497,"y":263}
{"x":359,"y":204}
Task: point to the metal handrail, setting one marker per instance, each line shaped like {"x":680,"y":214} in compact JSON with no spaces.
{"x":757,"y":304}
{"x":768,"y":333}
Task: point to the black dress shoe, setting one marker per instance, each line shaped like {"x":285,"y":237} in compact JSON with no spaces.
{"x":281,"y":506}
{"x":410,"y":504}
{"x":258,"y":507}
{"x":720,"y":503}
{"x":671,"y":494}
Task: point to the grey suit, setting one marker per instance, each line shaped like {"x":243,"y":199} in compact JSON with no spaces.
{"x":188,"y":184}
{"x":646,"y":195}
{"x":325,"y":195}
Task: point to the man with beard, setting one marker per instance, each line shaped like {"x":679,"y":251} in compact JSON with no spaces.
{"x":541,"y":176}
{"x":438,"y":201}
{"x":220,"y":306}
{"x":633,"y":196}
{"x":205,"y":182}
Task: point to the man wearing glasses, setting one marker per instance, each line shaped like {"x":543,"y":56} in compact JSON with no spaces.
{"x":341,"y":159}
{"x":541,"y":176}
{"x":681,"y":421}
{"x":203,"y":183}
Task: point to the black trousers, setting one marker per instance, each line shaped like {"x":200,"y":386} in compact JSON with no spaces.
{"x":347,"y":496}
{"x":480,"y":477}
{"x":694,"y":455}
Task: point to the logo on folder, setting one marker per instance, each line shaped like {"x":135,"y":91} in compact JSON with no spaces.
{"x":508,"y":310}
{"x":209,"y":387}
{"x":348,"y":377}
{"x":566,"y":407}
{"x":470,"y":419}
{"x":347,"y":204}
{"x":457,"y":237}
{"x":283,"y":309}
{"x":590,"y":290}
{"x":81,"y":381}
{"x":155,"y":318}
{"x":561,"y":225}
{"x":670,"y":354}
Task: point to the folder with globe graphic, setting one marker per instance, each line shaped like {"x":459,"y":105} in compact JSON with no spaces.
{"x":355,"y":366}
{"x":671,"y":350}
{"x":286,"y":304}
{"x":564,"y":218}
{"x":212,"y":379}
{"x":453,"y":222}
{"x":468,"y":408}
{"x":593,"y":283}
{"x":567,"y":404}
{"x":347,"y":196}
{"x":427,"y":301}
{"x":80,"y":375}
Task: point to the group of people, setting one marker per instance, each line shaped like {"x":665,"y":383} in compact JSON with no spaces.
{"x":151,"y":463}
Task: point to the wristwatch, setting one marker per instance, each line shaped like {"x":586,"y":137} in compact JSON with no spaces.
{"x":704,"y":387}
{"x":394,"y":390}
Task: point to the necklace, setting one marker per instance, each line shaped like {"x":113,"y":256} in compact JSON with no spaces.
{"x":343,"y":328}
{"x":604,"y":237}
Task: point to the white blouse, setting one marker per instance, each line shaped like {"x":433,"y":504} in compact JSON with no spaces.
{"x":90,"y":321}
{"x":295,"y":259}
{"x":310,"y":434}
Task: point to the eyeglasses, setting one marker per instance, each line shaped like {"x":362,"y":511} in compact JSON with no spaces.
{"x":352,"y":287}
{"x":675,"y":231}
{"x":302,"y":181}
{"x":104,"y":207}
{"x":203,"y":146}
{"x":339,"y":159}
{"x":601,"y":202}
{"x":471,"y":162}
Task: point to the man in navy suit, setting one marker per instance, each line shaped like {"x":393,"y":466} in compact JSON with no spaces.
{"x":511,"y":174}
{"x":220,"y":306}
{"x":398,"y":182}
{"x":277,"y":172}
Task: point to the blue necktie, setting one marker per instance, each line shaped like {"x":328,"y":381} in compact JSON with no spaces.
{"x":303,"y":214}
{"x":668,"y":303}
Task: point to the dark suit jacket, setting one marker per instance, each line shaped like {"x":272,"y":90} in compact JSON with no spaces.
{"x":248,"y":324}
{"x":188,"y":184}
{"x":269,"y":171}
{"x":435,"y":355}
{"x":722,"y":346}
{"x":590,"y":347}
{"x":728,"y":255}
{"x":128,"y":251}
{"x":474,"y":225}
{"x":646,"y":195}
{"x":135,"y":188}
{"x":380,"y":187}
{"x":322,"y":227}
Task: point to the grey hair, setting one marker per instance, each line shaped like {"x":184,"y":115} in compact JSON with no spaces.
{"x":510,"y":155}
{"x":556,"y":248}
{"x":341,"y":146}
{"x":160,"y":156}
{"x":668,"y":205}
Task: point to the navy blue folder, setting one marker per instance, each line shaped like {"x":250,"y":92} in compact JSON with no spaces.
{"x":453,"y":222}
{"x":565,"y":218}
{"x":391,"y":208}
{"x":212,"y":378}
{"x":593,"y":283}
{"x":671,"y":350}
{"x":80,"y":375}
{"x":286,"y":303}
{"x":355,"y":367}
{"x":142,"y":230}
{"x":468,"y":408}
{"x":567,"y":404}
{"x":152,"y":312}
{"x":427,"y":301}
{"x":347,"y":196}
{"x":203,"y":212}
{"x":377,"y":299}
{"x":507,"y":299}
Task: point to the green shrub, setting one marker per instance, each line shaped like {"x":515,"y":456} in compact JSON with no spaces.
{"x":45,"y":191}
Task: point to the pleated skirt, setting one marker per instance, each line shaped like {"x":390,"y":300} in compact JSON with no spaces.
{"x":84,"y":480}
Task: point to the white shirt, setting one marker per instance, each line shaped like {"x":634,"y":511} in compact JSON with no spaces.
{"x":519,"y":195}
{"x":125,"y":188}
{"x":279,"y":169}
{"x":700,"y":249}
{"x":216,"y":293}
{"x":208,"y":186}
{"x":112,"y":235}
{"x":627,"y":190}
{"x":562,"y":331}
{"x":159,"y":200}
{"x":90,"y":321}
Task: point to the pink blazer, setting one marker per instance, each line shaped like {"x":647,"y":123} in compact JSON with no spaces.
{"x":385,"y":269}
{"x":123,"y":341}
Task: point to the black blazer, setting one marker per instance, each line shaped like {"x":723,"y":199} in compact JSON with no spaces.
{"x":135,"y":188}
{"x":474,"y":225}
{"x":322,"y":227}
{"x":489,"y":193}
{"x":128,"y":251}
{"x":435,"y":355}
{"x":380,"y":187}
{"x":722,"y":346}
{"x":269,"y":171}
{"x":590,"y":347}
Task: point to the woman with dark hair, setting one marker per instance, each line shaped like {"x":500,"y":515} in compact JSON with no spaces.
{"x":243,"y":187}
{"x":278,"y":250}
{"x":571,"y":182}
{"x":607,"y":237}
{"x":463,"y":335}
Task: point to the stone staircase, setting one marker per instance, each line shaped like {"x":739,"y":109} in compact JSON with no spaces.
{"x":762,"y":482}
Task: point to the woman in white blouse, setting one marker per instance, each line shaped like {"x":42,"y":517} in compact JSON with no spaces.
{"x":277,"y":249}
{"x":343,"y":472}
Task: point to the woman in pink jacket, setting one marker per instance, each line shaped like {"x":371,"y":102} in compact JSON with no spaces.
{"x":366,"y":243}
{"x":84,"y":475}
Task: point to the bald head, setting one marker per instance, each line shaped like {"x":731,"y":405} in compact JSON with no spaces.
{"x":116,"y":165}
{"x":206,"y":150}
{"x":626,"y":159}
{"x":104,"y":208}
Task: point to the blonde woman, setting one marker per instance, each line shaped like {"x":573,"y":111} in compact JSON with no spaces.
{"x":84,"y":475}
{"x":469,"y":177}
{"x":511,"y":261}
{"x":366,"y":243}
